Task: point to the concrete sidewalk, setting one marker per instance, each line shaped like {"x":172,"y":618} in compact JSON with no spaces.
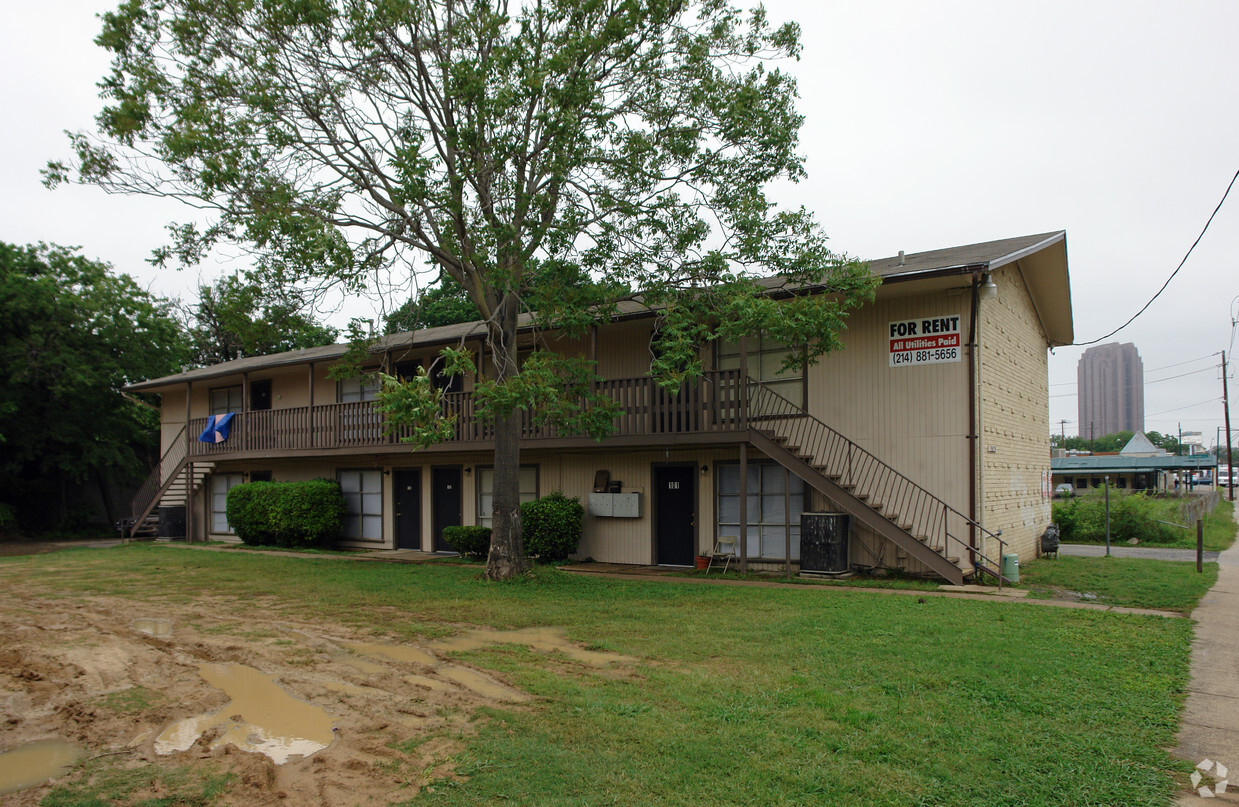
{"x":1142,"y":552}
{"x":1210,"y":728}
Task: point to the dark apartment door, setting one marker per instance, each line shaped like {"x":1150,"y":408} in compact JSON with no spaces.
{"x":675,"y":498}
{"x":444,"y":503}
{"x":260,"y":395}
{"x":408,"y":495}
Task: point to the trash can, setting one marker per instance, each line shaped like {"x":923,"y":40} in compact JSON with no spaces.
{"x":1011,"y":567}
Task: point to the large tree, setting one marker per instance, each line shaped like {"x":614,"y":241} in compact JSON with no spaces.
{"x":239,"y":316}
{"x":72,"y":334}
{"x":627,"y":139}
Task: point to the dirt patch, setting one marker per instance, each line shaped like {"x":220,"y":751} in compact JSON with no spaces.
{"x":111,"y":675}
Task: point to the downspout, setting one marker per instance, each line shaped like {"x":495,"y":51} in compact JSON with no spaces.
{"x":974,"y":373}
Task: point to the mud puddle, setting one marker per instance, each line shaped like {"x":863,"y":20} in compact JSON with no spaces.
{"x":261,"y":717}
{"x":34,"y":763}
{"x":160,"y":628}
{"x":470,"y":679}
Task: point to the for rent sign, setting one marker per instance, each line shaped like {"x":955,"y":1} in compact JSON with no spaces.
{"x":929,"y":340}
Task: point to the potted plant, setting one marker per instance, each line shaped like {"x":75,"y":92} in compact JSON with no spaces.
{"x":703,"y":561}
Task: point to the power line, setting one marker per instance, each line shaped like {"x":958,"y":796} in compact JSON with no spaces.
{"x":1175,"y":272}
{"x":1181,"y":408}
{"x":1151,"y":370}
{"x":1146,"y":383}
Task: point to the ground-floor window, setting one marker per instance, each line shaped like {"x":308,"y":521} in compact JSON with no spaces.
{"x":486,"y":491}
{"x":220,"y":485}
{"x":363,"y":490}
{"x":775,"y":502}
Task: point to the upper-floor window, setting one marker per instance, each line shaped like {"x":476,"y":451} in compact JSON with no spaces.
{"x":225,"y":400}
{"x":765,"y":364}
{"x":359,"y":389}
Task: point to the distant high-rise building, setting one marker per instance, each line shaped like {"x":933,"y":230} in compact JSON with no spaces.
{"x":1110,"y":390}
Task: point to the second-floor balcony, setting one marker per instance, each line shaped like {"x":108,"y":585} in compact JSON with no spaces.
{"x":710,"y":409}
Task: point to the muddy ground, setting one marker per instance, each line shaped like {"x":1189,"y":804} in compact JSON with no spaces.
{"x":124,"y":678}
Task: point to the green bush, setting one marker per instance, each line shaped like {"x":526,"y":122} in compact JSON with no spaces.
{"x":552,"y":526}
{"x":473,"y":542}
{"x":1132,"y":515}
{"x":292,"y":514}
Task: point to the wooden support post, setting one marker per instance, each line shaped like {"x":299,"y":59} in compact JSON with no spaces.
{"x":744,"y":382}
{"x":1200,"y":546}
{"x":189,"y":502}
{"x":744,"y":507}
{"x":310,"y":417}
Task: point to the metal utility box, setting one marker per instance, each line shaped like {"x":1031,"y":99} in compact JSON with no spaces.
{"x":172,"y":522}
{"x":615,"y":505}
{"x":824,"y":543}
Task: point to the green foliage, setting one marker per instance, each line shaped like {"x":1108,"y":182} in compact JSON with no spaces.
{"x":1113,"y":443}
{"x":239,"y":316}
{"x":413,"y":408}
{"x":552,"y":526}
{"x":472,"y":541}
{"x":72,"y":334}
{"x":293,"y":514}
{"x":1082,"y":519}
{"x":444,"y":303}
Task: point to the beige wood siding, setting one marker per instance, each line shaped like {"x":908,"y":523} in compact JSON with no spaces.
{"x":914,"y":418}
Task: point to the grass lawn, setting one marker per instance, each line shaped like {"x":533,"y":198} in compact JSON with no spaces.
{"x":1165,"y":585}
{"x":776,"y":696}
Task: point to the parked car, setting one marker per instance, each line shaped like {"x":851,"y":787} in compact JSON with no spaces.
{"x":1064,"y":489}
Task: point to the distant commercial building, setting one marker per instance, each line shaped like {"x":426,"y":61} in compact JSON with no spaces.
{"x":1110,"y":390}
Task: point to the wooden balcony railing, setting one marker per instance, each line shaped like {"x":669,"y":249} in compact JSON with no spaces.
{"x":714,"y":403}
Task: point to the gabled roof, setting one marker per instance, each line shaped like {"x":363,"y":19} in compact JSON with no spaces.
{"x":1042,"y":258}
{"x":1140,"y":446}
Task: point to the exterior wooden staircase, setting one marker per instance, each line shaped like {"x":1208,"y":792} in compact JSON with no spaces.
{"x":917,"y":522}
{"x":169,"y":484}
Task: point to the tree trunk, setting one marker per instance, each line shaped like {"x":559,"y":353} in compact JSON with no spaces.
{"x":105,"y":492}
{"x":507,"y":547}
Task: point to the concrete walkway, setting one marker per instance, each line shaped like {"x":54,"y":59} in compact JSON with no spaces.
{"x":1210,"y":728}
{"x":1143,"y":552}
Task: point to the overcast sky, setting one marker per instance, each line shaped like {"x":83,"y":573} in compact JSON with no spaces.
{"x":927,"y":125}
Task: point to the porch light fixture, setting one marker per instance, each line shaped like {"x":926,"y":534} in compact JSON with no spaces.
{"x":705,"y":469}
{"x":468,"y":470}
{"x":988,"y":289}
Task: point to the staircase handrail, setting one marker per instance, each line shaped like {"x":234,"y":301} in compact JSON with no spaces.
{"x":164,"y":471}
{"x":908,"y":504}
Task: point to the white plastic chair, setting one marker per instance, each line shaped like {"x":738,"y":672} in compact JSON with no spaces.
{"x":724,"y":551}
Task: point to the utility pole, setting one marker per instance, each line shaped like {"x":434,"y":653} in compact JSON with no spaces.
{"x":1063,"y":429}
{"x":1230,"y":468}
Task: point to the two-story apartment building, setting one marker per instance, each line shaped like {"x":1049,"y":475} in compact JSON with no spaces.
{"x":930,"y":428}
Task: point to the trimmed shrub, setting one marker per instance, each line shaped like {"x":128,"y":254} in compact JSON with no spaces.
{"x":473,"y":542}
{"x":552,"y":526}
{"x":292,"y":514}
